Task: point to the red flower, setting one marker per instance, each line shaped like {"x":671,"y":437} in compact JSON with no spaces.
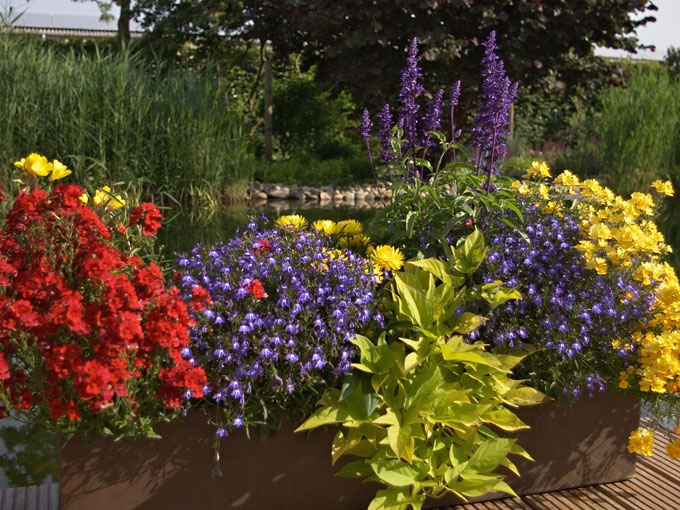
{"x":149,"y":215}
{"x":256,"y":289}
{"x":199,"y":298}
{"x":261,"y":245}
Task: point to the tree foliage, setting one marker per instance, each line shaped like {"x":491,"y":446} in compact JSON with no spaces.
{"x":357,"y":44}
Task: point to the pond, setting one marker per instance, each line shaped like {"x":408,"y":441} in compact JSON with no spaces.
{"x":28,"y":455}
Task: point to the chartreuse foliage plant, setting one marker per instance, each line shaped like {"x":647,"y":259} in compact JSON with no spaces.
{"x":419,"y":407}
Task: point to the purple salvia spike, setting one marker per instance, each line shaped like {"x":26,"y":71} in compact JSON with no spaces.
{"x":365,"y":132}
{"x":385,"y":133}
{"x":410,"y":89}
{"x":490,"y":124}
{"x":432,"y":118}
{"x":454,"y":96}
{"x":366,"y":125}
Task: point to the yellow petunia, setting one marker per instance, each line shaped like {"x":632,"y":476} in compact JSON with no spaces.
{"x":35,"y":164}
{"x":387,"y":257}
{"x":538,"y":169}
{"x":665,"y":188}
{"x":567,"y":178}
{"x":59,"y":170}
{"x":292,"y":222}
{"x":673,"y":449}
{"x":641,"y":441}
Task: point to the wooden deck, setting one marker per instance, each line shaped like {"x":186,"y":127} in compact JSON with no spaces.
{"x":655,"y":486}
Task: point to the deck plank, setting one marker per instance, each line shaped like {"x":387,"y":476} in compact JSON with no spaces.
{"x":655,"y":486}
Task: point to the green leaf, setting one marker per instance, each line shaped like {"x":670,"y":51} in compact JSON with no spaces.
{"x":324,"y":416}
{"x":356,"y":469}
{"x":395,"y":472}
{"x":466,"y":322}
{"x":395,"y":499}
{"x":435,"y":266}
{"x":525,"y":396}
{"x":504,"y":419}
{"x":401,"y":442}
{"x":410,"y":222}
{"x":413,"y":303}
{"x":479,"y":358}
{"x":349,"y":384}
{"x":489,"y":455}
{"x":470,"y":255}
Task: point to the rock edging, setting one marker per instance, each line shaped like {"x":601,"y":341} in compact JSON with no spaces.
{"x":323,"y":195}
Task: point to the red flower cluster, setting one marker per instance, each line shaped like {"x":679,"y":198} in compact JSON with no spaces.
{"x":256,"y":289}
{"x":149,"y":216}
{"x":83,"y":325}
{"x":261,"y":245}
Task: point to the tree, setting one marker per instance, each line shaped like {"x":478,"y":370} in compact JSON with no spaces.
{"x":359,"y":44}
{"x":123,"y":33}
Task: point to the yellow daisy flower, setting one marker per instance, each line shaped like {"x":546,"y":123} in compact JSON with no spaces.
{"x":324,"y":226}
{"x":387,"y":257}
{"x":292,"y":222}
{"x":348,"y":228}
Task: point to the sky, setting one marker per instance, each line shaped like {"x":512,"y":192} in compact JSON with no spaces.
{"x":663,"y":33}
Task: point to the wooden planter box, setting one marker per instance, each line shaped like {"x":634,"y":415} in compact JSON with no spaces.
{"x":580,"y":445}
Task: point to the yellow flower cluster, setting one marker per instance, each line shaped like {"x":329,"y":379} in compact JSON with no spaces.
{"x":641,"y":441}
{"x":621,"y":235}
{"x":37,"y":166}
{"x":350,"y":235}
{"x":673,"y":449}
{"x":104,"y":197}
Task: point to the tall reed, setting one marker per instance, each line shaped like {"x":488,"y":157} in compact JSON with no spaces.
{"x":640,"y":130}
{"x":112,"y":120}
{"x":640,"y":135}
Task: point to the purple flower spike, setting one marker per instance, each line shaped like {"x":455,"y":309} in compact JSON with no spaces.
{"x":385,"y":133}
{"x":492,"y":119}
{"x":432,"y":118}
{"x":366,"y":125}
{"x":454,"y":96}
{"x":410,"y":89}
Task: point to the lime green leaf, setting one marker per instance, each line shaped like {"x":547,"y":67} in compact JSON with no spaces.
{"x":479,"y":358}
{"x":356,"y":469}
{"x":401,"y":442}
{"x":504,"y":419}
{"x":436,"y":267}
{"x":466,"y":322}
{"x":490,"y":454}
{"x":324,"y":416}
{"x":349,"y":384}
{"x":525,"y":396}
{"x":395,"y":472}
{"x":394,"y":499}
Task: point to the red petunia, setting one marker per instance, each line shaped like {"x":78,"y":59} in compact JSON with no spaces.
{"x":150,"y":218}
{"x":256,"y":289}
{"x":261,"y":245}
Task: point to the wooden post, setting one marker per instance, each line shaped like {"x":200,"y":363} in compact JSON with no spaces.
{"x":512,"y":120}
{"x":268,"y":106}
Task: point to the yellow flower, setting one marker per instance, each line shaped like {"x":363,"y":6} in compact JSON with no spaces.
{"x":105,"y":197}
{"x":59,"y":170}
{"x":641,"y":441}
{"x":292,"y":222}
{"x":567,"y":178}
{"x":324,"y":226}
{"x":354,"y":241}
{"x":673,"y":449}
{"x":348,"y":228}
{"x":538,"y":169}
{"x":387,"y":257}
{"x":35,"y":164}
{"x":665,"y":188}
{"x":84,"y":198}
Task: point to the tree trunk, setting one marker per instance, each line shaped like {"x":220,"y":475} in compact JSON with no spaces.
{"x":268,"y":107}
{"x":124,"y":25}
